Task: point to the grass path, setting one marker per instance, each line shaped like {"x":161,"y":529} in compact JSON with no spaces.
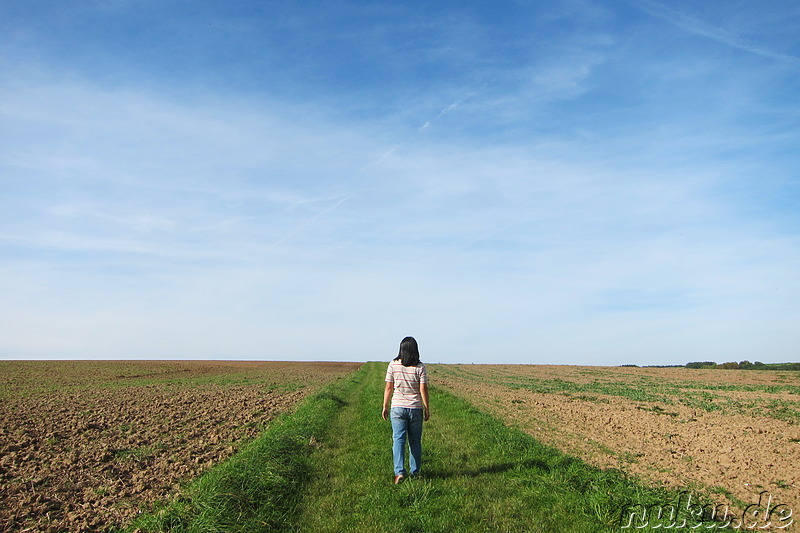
{"x":478,"y":475}
{"x":327,"y":468}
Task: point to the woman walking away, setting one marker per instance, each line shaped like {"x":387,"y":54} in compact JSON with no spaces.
{"x":407,"y":386}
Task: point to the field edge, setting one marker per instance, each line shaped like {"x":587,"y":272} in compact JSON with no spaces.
{"x":257,"y":488}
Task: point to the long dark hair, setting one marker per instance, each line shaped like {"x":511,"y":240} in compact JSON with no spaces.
{"x":409,"y":352}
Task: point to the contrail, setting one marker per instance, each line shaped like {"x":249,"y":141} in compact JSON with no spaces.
{"x":427,"y":124}
{"x":307,"y":222}
{"x":693,"y":25}
{"x":454,"y":105}
{"x":378,"y":161}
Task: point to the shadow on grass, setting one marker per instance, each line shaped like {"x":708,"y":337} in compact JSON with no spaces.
{"x":490,"y":469}
{"x":338,"y":401}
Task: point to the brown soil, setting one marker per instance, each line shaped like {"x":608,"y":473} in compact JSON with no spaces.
{"x":746,"y":446}
{"x":85,"y":445}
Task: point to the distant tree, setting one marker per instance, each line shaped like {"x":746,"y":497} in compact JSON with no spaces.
{"x":758,"y":365}
{"x":732,"y":365}
{"x":701,"y":364}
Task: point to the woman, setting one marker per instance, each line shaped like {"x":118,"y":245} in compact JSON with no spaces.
{"x":407,"y":386}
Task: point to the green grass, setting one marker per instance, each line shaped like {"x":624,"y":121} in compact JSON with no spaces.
{"x":640,"y":391}
{"x":30,"y":378}
{"x":327,"y":467}
{"x":645,"y":389}
{"x":259,"y":488}
{"x":479,"y":475}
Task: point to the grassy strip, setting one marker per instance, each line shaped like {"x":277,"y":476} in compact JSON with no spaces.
{"x":645,"y":389}
{"x":611,"y":383}
{"x":259,"y":488}
{"x":327,"y":467}
{"x":479,"y":475}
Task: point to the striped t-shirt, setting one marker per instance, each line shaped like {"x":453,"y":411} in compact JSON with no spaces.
{"x":406,"y":381}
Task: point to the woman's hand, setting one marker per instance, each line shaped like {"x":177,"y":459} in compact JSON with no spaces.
{"x":387,"y":397}
{"x":423,"y":390}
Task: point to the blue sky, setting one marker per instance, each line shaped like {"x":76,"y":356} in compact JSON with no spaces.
{"x":569,"y":182}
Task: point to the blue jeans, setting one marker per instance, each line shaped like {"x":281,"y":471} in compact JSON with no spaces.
{"x":406,"y":425}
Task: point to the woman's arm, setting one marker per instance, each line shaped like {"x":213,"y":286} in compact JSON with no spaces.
{"x":423,"y":390}
{"x":387,"y":396}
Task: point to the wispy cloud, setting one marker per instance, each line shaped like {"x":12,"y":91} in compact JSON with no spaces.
{"x":722,"y":35}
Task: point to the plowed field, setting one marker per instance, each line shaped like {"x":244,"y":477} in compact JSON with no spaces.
{"x":84,"y":445}
{"x":733,"y":432}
